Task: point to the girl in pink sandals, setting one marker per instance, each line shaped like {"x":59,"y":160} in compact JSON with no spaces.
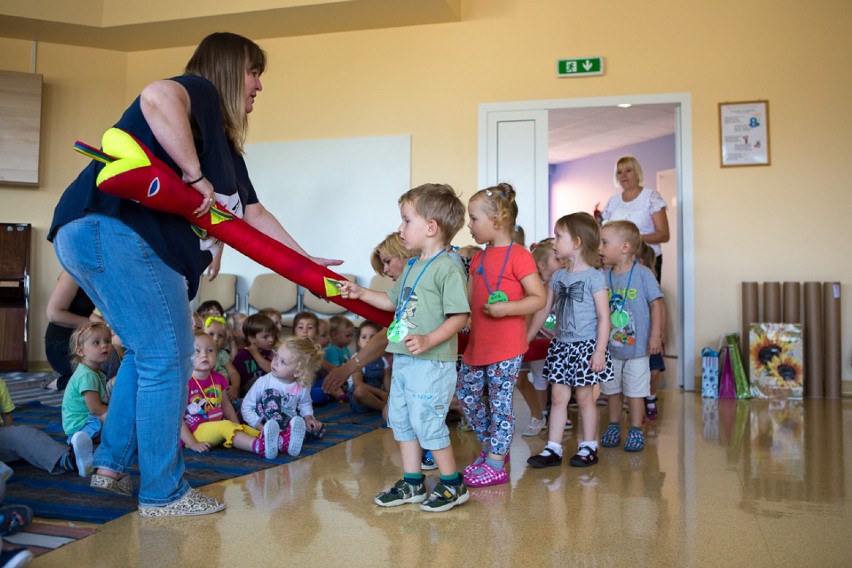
{"x":504,"y":287}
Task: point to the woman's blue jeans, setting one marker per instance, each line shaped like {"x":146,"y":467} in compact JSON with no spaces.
{"x":145,"y":302}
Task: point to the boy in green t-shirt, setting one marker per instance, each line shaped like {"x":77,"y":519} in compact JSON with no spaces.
{"x":430,"y":308}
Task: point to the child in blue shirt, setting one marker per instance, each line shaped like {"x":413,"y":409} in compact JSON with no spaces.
{"x":635,"y":302}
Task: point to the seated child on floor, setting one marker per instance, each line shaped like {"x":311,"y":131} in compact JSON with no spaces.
{"x":217,"y":328}
{"x":210,"y":418}
{"x":306,"y":325}
{"x":275,"y":316}
{"x":370,"y":383}
{"x":254,"y":361}
{"x":237,"y":340}
{"x":37,"y":448}
{"x":283,"y":395}
{"x":210,"y":308}
{"x":341,"y":333}
{"x":83,"y":406}
{"x":323,"y":333}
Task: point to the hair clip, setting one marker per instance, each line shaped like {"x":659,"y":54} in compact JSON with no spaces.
{"x":212,"y":319}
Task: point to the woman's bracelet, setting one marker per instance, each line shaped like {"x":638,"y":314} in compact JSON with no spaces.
{"x":357,"y":362}
{"x":193,"y":182}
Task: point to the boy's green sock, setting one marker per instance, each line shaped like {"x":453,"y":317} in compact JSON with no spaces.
{"x":414,"y":478}
{"x":453,"y":480}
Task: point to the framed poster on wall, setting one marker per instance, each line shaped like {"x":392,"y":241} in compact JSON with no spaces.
{"x":744,"y":133}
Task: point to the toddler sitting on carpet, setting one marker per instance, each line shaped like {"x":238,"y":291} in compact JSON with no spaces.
{"x":210,"y":418}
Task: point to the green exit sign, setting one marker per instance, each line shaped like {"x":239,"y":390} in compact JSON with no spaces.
{"x":581,"y":67}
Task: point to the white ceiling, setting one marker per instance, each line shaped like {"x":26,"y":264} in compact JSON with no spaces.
{"x":580,"y":132}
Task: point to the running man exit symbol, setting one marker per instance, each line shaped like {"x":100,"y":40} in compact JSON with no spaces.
{"x":579,"y":67}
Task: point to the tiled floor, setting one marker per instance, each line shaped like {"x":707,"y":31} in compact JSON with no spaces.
{"x":720,"y":483}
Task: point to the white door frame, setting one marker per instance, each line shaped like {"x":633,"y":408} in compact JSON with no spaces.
{"x":492,"y":113}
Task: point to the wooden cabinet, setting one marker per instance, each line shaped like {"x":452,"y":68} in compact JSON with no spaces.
{"x":14,"y":294}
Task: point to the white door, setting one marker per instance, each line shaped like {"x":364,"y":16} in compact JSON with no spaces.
{"x":513,"y":148}
{"x":519,"y":157}
{"x":667,"y":186}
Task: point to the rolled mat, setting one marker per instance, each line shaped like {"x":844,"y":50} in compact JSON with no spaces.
{"x":814,"y":387}
{"x":792,"y":304}
{"x":751,"y":311}
{"x":772,"y":302}
{"x":831,"y":340}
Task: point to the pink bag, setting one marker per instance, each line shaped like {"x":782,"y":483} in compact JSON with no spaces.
{"x":727,"y":386}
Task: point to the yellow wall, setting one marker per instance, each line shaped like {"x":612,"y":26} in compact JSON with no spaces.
{"x":788,"y":221}
{"x":83,"y":95}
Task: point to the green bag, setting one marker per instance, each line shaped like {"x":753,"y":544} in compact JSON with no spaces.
{"x":732,"y":342}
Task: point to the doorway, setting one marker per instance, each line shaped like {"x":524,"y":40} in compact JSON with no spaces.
{"x":513,"y":147}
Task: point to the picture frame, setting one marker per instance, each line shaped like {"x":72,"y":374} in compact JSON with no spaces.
{"x":744,"y":133}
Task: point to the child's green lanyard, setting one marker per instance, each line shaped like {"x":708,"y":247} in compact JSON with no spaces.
{"x":398,"y":329}
{"x":495,"y":296}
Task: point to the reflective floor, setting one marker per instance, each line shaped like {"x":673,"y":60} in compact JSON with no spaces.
{"x":720,"y":483}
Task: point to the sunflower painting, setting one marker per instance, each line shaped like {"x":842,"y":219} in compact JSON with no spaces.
{"x":775,"y":360}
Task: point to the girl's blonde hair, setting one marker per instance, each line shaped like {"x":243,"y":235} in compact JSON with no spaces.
{"x":542,"y":250}
{"x":198,"y":334}
{"x":210,"y":320}
{"x":391,"y":246}
{"x":308,"y":357}
{"x":584,"y":227}
{"x":223,"y":58}
{"x":81,"y":335}
{"x":628,"y":231}
{"x":647,"y":256}
{"x":499,"y":202}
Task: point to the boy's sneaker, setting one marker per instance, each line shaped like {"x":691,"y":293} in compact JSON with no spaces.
{"x":80,"y":453}
{"x":270,"y":438}
{"x":401,"y":493}
{"x":536,"y":426}
{"x":445,"y":497}
{"x":651,"y":408}
{"x":427,"y":462}
{"x":568,"y":424}
{"x":547,"y":458}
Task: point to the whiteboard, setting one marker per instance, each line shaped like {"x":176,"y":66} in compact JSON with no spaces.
{"x":337,"y":198}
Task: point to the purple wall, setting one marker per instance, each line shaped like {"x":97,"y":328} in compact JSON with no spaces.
{"x":580,"y":184}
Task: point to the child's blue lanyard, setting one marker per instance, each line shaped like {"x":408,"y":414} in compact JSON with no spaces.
{"x":400,"y":303}
{"x":617,"y":299}
{"x":481,"y":271}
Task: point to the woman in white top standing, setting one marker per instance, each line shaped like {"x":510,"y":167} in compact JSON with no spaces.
{"x":644,"y":206}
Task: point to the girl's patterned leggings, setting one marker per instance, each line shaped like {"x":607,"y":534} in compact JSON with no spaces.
{"x":494,"y":423}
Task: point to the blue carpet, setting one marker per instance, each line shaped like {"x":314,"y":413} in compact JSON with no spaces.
{"x":69,"y":497}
